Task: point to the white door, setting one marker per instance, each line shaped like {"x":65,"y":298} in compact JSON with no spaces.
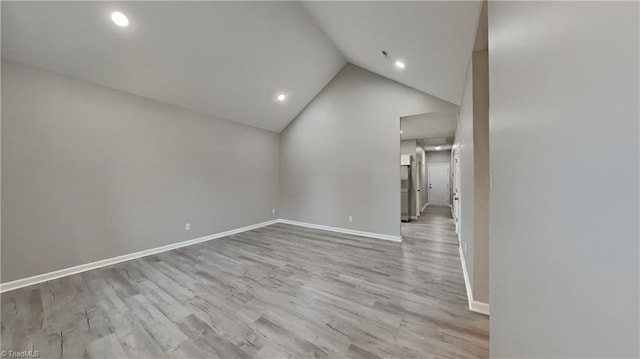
{"x":438,"y":183}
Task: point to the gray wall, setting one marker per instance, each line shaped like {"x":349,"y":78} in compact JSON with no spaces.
{"x":91,"y":173}
{"x":472,"y":139}
{"x":339,"y":157}
{"x":563,"y":124}
{"x":438,"y":156}
{"x":408,"y":147}
{"x":464,"y":143}
{"x":481,"y":208}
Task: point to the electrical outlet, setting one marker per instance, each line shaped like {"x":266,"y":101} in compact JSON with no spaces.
{"x":273,"y":211}
{"x":350,"y":219}
{"x":187,"y":227}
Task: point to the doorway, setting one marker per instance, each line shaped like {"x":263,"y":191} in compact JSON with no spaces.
{"x":438,"y":179}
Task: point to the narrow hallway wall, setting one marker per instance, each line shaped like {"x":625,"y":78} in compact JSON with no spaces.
{"x":563,"y":123}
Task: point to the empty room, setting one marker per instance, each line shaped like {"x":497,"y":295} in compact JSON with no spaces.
{"x":319,"y":179}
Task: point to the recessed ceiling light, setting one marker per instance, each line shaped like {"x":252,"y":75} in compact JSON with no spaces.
{"x":438,"y":148}
{"x":400,"y":64}
{"x":119,"y":19}
{"x":400,"y":131}
{"x":282,"y":97}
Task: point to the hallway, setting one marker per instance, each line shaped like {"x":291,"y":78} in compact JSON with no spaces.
{"x":433,"y":238}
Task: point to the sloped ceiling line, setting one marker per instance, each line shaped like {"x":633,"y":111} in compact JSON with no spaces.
{"x":232,"y":59}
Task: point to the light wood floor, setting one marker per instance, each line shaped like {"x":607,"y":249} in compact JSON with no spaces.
{"x":275,"y":292}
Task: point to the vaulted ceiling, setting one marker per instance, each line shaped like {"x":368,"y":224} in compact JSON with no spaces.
{"x":232,"y":59}
{"x":433,"y":38}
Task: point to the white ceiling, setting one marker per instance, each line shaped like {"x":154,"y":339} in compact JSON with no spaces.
{"x":434,"y":38}
{"x":231,"y":59}
{"x":433,"y":125}
{"x":226,"y":59}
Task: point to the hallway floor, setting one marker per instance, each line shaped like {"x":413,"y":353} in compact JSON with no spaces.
{"x":433,"y":235}
{"x":435,"y":224}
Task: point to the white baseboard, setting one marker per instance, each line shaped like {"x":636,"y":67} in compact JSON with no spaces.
{"x":415,"y":217}
{"x":424,"y":207}
{"x":474,"y":305}
{"x":343,"y":230}
{"x":44,"y":277}
{"x":467,"y":282}
{"x":479,"y":307}
{"x":25,"y":282}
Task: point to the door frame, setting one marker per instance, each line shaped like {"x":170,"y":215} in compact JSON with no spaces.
{"x":455,"y":206}
{"x":448,"y":176}
{"x":418,"y":185}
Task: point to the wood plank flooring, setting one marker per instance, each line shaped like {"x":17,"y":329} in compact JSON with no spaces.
{"x":275,"y":292}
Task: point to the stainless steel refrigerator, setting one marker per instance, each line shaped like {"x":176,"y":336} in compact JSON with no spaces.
{"x":405,"y":192}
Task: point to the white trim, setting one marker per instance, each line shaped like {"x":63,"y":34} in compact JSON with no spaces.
{"x":25,"y":282}
{"x":479,"y":307}
{"x":44,"y":277}
{"x":343,"y":230}
{"x":415,"y":217}
{"x":474,"y":305}
{"x":467,"y":282}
